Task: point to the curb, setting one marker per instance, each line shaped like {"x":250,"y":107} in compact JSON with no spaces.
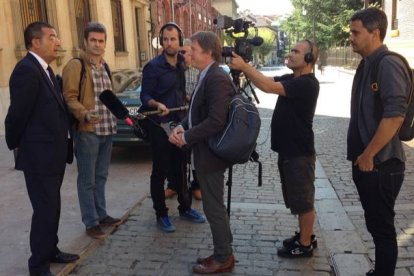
{"x":90,"y":248}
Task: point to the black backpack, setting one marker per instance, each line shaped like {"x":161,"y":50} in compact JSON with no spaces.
{"x":406,"y":131}
{"x":237,"y":141}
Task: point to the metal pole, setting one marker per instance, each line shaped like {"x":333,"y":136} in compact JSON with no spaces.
{"x":191,"y":24}
{"x":172,"y":10}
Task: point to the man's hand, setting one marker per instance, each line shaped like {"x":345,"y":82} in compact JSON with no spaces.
{"x":164,"y":110}
{"x":176,"y":136}
{"x":92,"y":117}
{"x":365,"y":163}
{"x":237,"y":62}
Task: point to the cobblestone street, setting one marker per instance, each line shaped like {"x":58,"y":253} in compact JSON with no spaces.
{"x":259,"y":219}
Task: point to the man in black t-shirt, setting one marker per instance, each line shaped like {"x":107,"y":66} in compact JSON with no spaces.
{"x":293,"y":138}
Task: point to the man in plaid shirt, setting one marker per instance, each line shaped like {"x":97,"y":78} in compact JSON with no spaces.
{"x":83,"y":81}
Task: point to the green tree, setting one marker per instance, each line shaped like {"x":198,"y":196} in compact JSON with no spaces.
{"x":324,"y":21}
{"x":269,"y":41}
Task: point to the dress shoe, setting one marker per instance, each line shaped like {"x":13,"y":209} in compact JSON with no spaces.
{"x":47,"y":273}
{"x":110,"y":221}
{"x":169,"y":193}
{"x":203,"y":260}
{"x":197,"y":194}
{"x":211,"y":266}
{"x":95,"y":232}
{"x":63,"y":258}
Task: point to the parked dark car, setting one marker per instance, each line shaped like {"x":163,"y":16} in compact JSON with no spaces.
{"x":129,"y":94}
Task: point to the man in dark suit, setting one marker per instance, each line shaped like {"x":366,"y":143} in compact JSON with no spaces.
{"x":207,"y":116}
{"x":37,"y":125}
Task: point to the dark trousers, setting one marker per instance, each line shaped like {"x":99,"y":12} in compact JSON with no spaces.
{"x":212,"y":188}
{"x":378,"y":191}
{"x":44,"y":194}
{"x":167,"y":160}
{"x":194,"y":184}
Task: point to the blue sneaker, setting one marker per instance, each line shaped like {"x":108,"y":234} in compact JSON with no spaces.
{"x":165,"y":224}
{"x":193,"y":216}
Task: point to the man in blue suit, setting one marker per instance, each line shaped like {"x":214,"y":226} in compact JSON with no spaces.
{"x":37,"y":126}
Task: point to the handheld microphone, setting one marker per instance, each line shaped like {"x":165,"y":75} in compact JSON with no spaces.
{"x":114,"y":105}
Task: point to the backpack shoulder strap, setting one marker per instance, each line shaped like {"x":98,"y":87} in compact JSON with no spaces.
{"x":108,"y":71}
{"x":375,"y":68}
{"x":82,"y":72}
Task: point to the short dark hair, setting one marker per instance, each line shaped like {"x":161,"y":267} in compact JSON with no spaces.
{"x":94,"y":27}
{"x":34,"y":30}
{"x":208,"y":41}
{"x":372,"y":18}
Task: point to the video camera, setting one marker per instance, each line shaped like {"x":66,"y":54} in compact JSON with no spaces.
{"x":243,"y":44}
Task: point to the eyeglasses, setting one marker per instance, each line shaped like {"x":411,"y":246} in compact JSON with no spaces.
{"x":183,"y":52}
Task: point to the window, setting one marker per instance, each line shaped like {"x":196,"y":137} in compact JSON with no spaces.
{"x":118,"y":24}
{"x":33,"y":10}
{"x":82,"y":17}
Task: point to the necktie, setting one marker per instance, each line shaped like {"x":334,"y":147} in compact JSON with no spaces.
{"x":54,"y":82}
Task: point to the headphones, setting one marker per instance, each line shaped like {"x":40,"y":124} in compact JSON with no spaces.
{"x":171,"y":24}
{"x":309,"y":58}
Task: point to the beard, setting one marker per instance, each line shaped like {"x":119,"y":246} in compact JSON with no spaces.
{"x":170,"y":52}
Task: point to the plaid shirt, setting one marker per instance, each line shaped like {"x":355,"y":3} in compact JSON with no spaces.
{"x":101,"y":82}
{"x":191,"y":75}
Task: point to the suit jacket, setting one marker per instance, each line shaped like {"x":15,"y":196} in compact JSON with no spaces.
{"x":37,"y":122}
{"x":209,"y":110}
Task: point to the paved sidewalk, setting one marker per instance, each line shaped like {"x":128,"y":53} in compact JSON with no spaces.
{"x":124,"y":189}
{"x":259,"y":221}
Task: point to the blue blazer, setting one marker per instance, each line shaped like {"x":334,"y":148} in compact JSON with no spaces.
{"x":37,"y":122}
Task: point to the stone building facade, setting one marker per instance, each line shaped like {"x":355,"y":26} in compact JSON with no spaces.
{"x":131,"y":25}
{"x":128,"y":43}
{"x":400,"y":33}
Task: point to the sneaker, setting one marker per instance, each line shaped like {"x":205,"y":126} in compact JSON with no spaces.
{"x":193,"y":216}
{"x":169,"y":193}
{"x":165,"y":224}
{"x":370,"y":273}
{"x":110,"y":221}
{"x":289,"y":242}
{"x":95,"y":232}
{"x":296,"y":251}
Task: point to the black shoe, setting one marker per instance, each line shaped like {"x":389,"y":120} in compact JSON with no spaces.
{"x":63,"y":258}
{"x":296,"y":251}
{"x":47,"y":273}
{"x":289,"y":242}
{"x":370,"y":273}
{"x":109,"y":221}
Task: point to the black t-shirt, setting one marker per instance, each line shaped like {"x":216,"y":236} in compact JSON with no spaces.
{"x":292,"y":120}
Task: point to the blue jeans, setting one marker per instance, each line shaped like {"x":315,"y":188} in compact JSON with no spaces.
{"x":93,"y":154}
{"x":378,"y":191}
